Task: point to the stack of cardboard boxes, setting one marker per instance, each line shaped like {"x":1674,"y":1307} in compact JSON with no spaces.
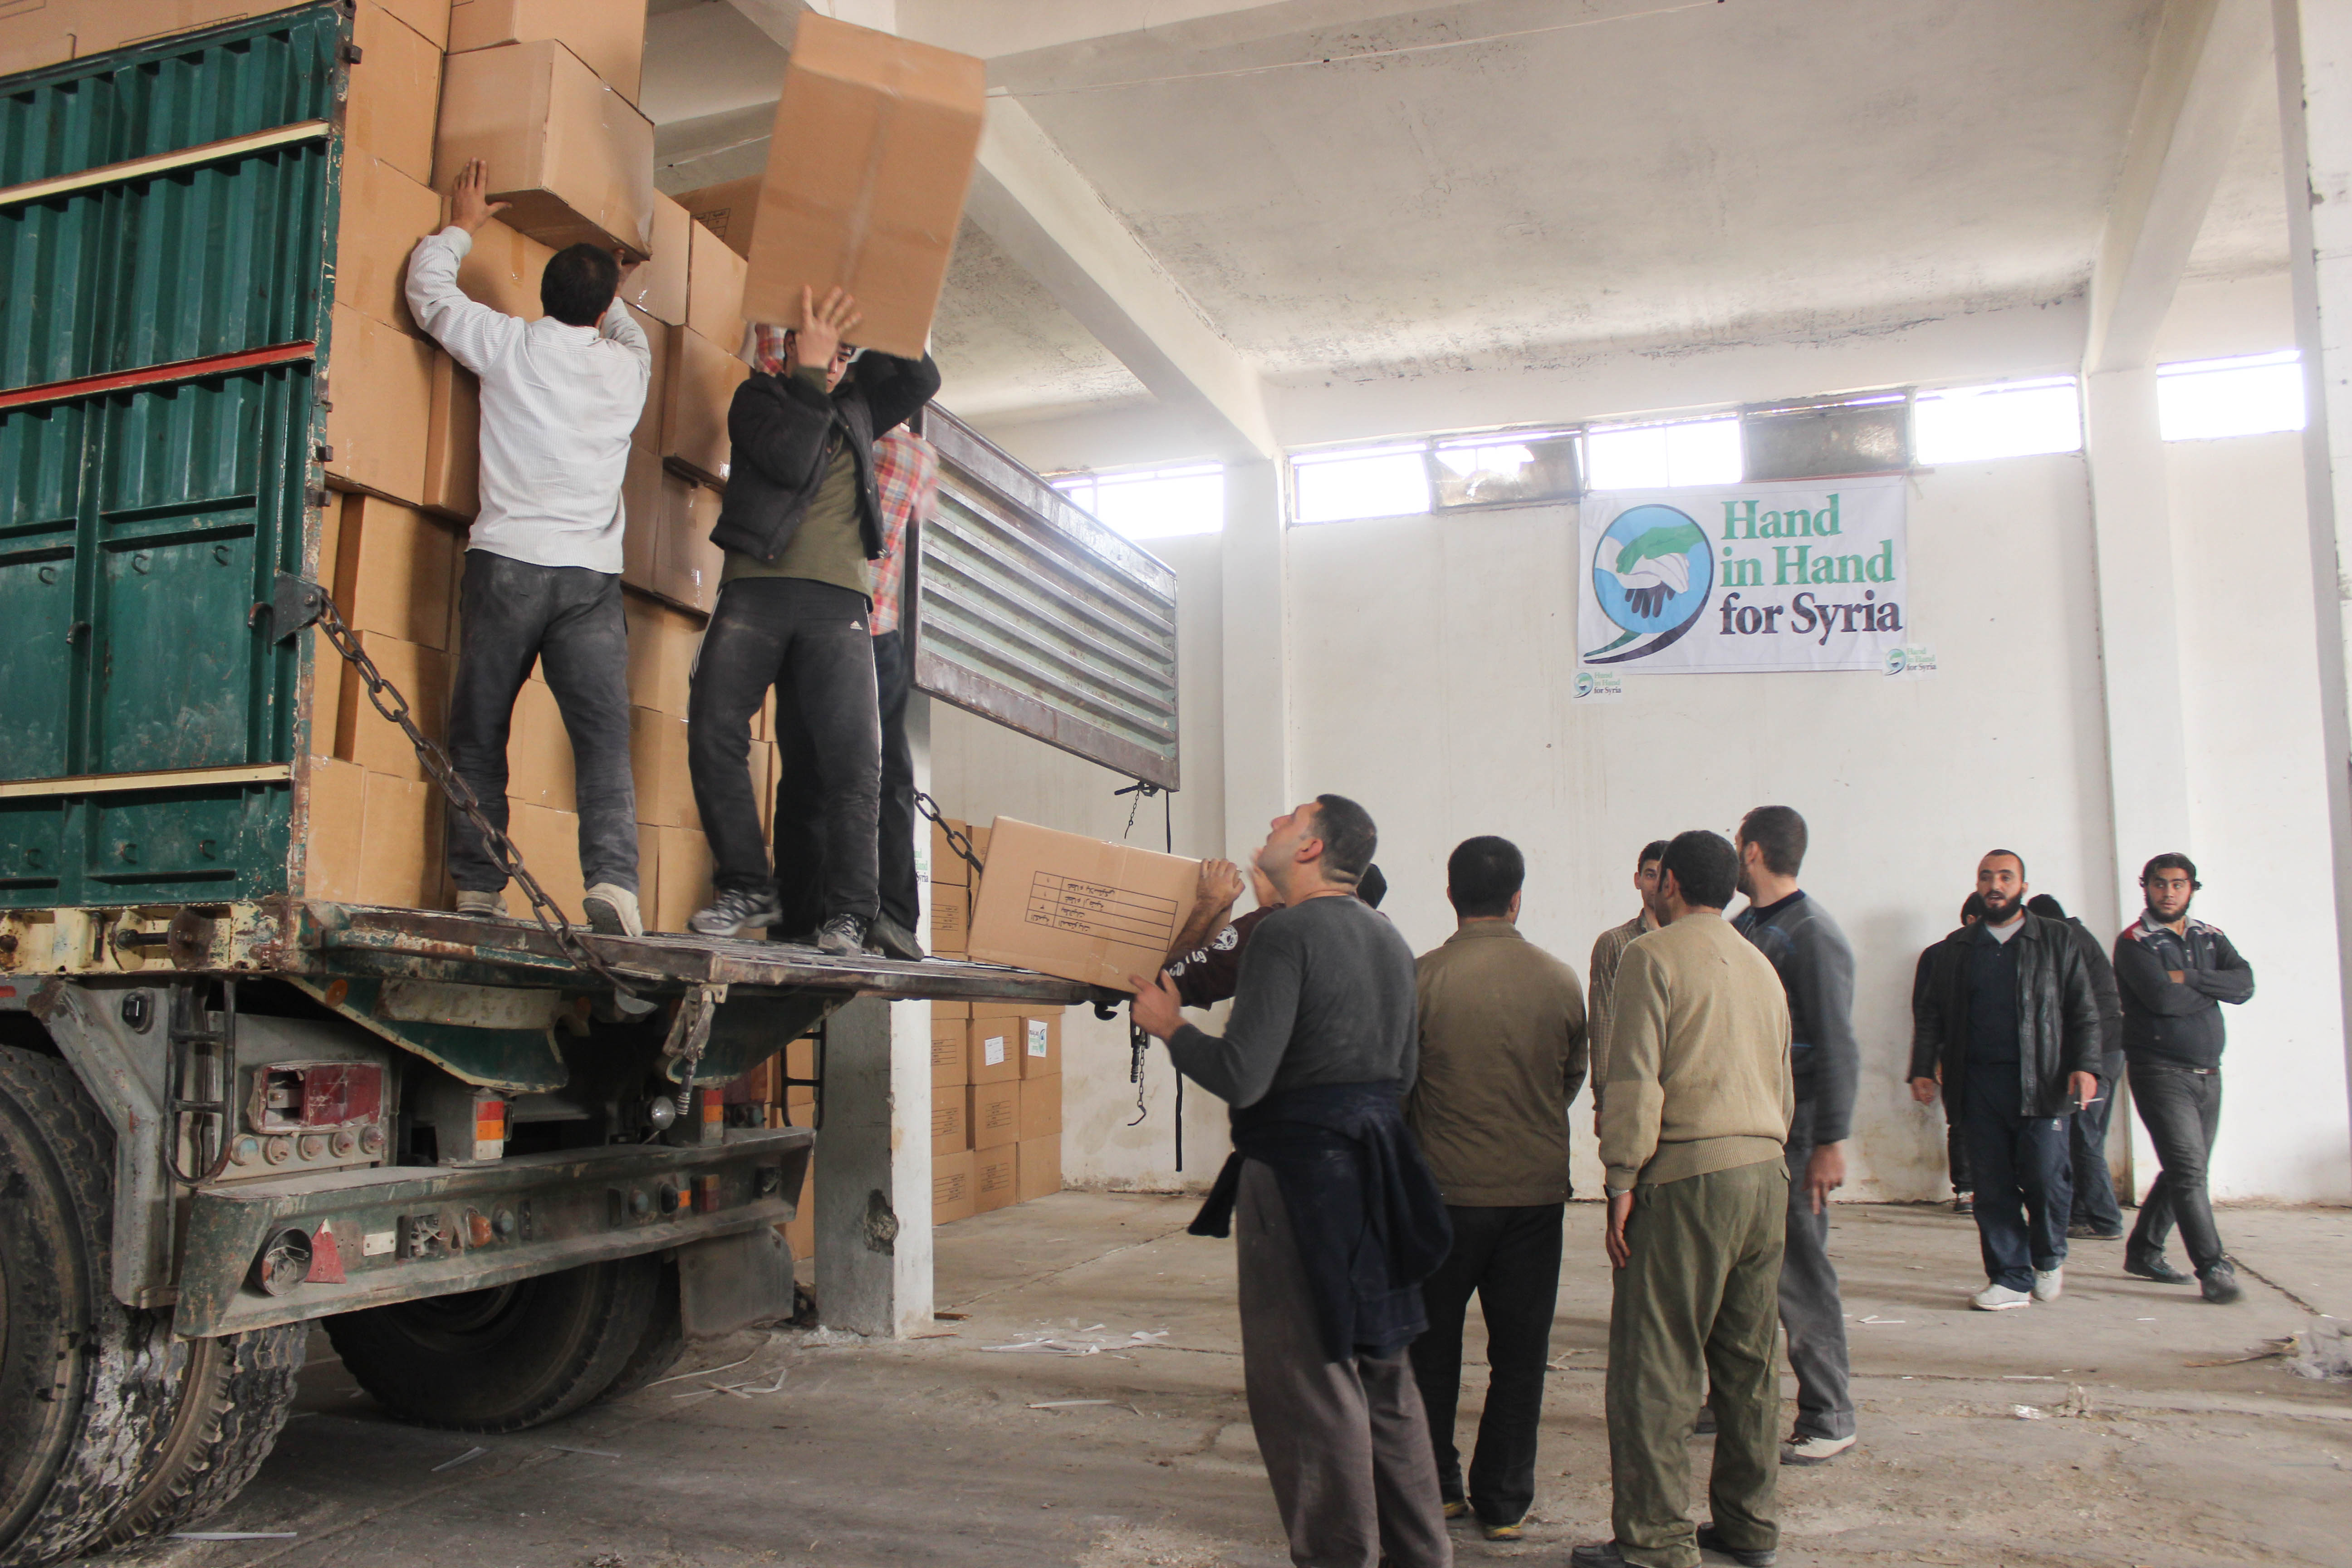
{"x":997,"y":1070}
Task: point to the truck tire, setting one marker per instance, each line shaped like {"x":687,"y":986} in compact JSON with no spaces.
{"x":507,"y":1358}
{"x":79,"y":1374}
{"x":234,"y":1393}
{"x":659,"y":1350}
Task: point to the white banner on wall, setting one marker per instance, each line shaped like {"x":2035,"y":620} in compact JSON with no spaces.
{"x":1745,"y":578}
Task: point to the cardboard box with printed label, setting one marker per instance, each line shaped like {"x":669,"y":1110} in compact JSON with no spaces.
{"x":990,"y":1055}
{"x":572,"y":157}
{"x":951,"y":917}
{"x":995,"y":1178}
{"x":952,"y":1187}
{"x":1064,"y":904}
{"x":1040,"y":1168}
{"x":949,"y":1038}
{"x":727,"y":210}
{"x":1041,"y":1109}
{"x":874,"y":145}
{"x":1041,"y":1044}
{"x":993,"y":1113}
{"x":950,"y":1124}
{"x":609,"y":35}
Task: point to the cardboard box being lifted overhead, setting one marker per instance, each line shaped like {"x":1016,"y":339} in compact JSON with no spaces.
{"x":872,"y":154}
{"x":609,"y":35}
{"x":1064,"y":904}
{"x":572,"y":157}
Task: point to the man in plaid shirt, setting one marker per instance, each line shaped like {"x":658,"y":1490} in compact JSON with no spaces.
{"x":906,"y":477}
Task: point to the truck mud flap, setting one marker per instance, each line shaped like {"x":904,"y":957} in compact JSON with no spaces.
{"x":260,"y":1253}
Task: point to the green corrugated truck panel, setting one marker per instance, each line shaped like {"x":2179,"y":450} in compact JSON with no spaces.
{"x":140,"y":526}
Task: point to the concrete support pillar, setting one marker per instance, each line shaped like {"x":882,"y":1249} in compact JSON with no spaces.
{"x":2139,"y":628}
{"x":1256,"y":649}
{"x":872,"y":1171}
{"x":2313,"y":41}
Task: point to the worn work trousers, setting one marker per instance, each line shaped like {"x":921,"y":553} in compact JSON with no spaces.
{"x":810,"y":641}
{"x":567,"y":620}
{"x":2026,"y":1179}
{"x":1345,"y":1442}
{"x":1812,"y":1311}
{"x":1509,"y":1258}
{"x":800,"y":804}
{"x":2087,"y":1135}
{"x":2182,"y":1110}
{"x":1695,"y":1305}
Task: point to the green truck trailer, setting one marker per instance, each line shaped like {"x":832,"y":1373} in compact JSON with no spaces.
{"x":488,"y":1158}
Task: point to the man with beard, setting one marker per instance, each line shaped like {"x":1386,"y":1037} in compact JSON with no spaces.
{"x":1815,"y":964}
{"x":2097,"y":1217}
{"x":2175,"y":972}
{"x":1608,"y":950}
{"x":2011,"y":1020}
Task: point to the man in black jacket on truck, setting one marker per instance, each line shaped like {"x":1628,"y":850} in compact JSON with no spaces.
{"x":801,"y":521}
{"x":2011,"y":1020}
{"x":2175,"y":972}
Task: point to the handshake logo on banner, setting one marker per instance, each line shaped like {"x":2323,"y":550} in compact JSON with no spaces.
{"x":1751,"y":578}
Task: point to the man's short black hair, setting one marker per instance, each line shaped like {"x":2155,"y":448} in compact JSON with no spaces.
{"x":1348,"y":839}
{"x":2013,"y":855}
{"x":1780,"y":832}
{"x":1655,"y":849}
{"x":1973,"y":908}
{"x":579,"y":284}
{"x":2171,"y":860}
{"x":1482,"y":875}
{"x":1372,"y":886}
{"x":1705,"y":865}
{"x":2045,"y":906}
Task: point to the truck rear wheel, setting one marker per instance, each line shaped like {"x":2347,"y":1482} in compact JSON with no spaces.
{"x":234,"y":1395}
{"x":663,"y":1343}
{"x":507,"y":1358}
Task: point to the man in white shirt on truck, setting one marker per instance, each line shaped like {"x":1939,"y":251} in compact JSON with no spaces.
{"x":543,"y":579}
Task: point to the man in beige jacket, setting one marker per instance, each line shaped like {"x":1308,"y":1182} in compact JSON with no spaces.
{"x":1699,"y":1098}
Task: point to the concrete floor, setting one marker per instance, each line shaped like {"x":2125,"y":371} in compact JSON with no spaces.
{"x":935,"y":1451}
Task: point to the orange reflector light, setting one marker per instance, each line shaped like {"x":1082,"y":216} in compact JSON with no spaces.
{"x":714,"y":1107}
{"x":706,"y":1194}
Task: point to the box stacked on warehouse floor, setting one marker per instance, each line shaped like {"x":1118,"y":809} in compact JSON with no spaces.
{"x":996,"y":1070}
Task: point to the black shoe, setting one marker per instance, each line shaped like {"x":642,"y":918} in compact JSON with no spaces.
{"x":843,"y":936}
{"x":1711,"y":1540}
{"x":2092,"y":1233}
{"x":2154,"y":1268}
{"x":1598,"y":1555}
{"x":1964,"y":1202}
{"x":2220,"y":1284}
{"x":895,"y":940}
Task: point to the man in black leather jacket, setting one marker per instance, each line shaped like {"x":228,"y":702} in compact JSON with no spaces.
{"x":801,"y":521}
{"x":2009,"y":1016}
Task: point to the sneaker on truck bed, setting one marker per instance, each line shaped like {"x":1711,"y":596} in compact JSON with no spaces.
{"x":612,"y":911}
{"x":843,"y":936}
{"x":735,"y":912}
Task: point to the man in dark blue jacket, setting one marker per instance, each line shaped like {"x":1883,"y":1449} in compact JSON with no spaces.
{"x":1337,"y":1222}
{"x":2175,"y":972}
{"x":801,"y":521}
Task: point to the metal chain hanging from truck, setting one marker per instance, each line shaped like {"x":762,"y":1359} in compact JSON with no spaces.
{"x":299,"y":604}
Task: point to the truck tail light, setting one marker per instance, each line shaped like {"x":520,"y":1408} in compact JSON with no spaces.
{"x":490,"y":1127}
{"x":295,"y":1097}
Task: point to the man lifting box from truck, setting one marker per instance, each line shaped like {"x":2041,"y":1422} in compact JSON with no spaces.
{"x":801,"y":525}
{"x":543,"y":580}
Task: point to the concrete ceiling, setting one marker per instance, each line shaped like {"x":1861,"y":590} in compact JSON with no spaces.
{"x":1350,"y":192}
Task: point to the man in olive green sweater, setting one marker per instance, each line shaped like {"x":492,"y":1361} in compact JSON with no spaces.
{"x":1699,"y":1098}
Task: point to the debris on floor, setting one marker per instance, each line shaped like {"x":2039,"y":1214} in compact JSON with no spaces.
{"x":2323,"y":1350}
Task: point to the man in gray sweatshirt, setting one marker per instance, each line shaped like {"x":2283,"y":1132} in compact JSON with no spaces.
{"x":1816,"y":969}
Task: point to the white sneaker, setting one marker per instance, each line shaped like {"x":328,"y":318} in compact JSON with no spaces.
{"x":1995,"y":1298}
{"x":482,"y":906}
{"x":612,"y":911}
{"x":2048,"y":1284}
{"x":1798,"y":1450}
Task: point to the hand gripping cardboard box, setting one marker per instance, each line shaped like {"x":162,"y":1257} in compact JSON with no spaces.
{"x":572,"y":157}
{"x":875,"y":141}
{"x":1066,"y":905}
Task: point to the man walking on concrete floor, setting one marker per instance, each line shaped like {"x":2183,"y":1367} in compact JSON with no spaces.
{"x":2011,"y":1023}
{"x":1502,"y":1055}
{"x":1690,"y":1136}
{"x":2175,"y":972}
{"x":1338,"y":1221}
{"x":1810,"y":954}
{"x":2096,"y":1214}
{"x":1608,"y":951}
